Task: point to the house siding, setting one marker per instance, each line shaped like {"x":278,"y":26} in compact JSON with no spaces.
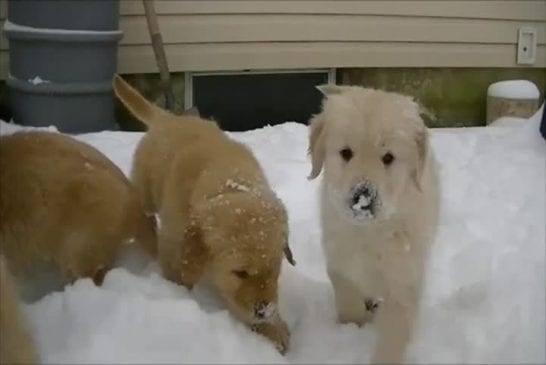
{"x":237,"y":35}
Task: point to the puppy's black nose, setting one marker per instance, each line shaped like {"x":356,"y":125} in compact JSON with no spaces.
{"x":360,"y":194}
{"x":260,"y":309}
{"x":362,"y":200}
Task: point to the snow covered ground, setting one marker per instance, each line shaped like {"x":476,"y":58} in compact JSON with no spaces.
{"x":484,"y":300}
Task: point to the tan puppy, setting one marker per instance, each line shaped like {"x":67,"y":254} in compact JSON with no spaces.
{"x":16,"y":344}
{"x":379,"y":208}
{"x":218,"y":215}
{"x":64,"y":202}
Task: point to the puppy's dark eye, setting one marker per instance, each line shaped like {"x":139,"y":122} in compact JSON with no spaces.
{"x":241,"y":274}
{"x":387,"y":158}
{"x":346,"y":153}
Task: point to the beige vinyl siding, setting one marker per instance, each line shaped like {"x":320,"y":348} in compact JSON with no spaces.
{"x":233,"y":35}
{"x":476,"y":9}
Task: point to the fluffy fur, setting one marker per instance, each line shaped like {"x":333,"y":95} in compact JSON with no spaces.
{"x":218,"y":215}
{"x":63,"y":202}
{"x":379,"y":208}
{"x":16,"y":343}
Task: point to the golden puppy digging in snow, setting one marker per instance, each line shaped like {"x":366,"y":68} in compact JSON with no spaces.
{"x":218,"y":215}
{"x":64,"y":202}
{"x":379,"y":208}
{"x":16,"y":343}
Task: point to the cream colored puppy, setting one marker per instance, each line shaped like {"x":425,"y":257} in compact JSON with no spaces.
{"x":218,"y":214}
{"x":16,"y":343}
{"x":379,"y":208}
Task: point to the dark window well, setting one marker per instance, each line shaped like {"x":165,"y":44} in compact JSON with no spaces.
{"x":250,"y":101}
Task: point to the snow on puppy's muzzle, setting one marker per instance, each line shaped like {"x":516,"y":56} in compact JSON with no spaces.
{"x":363,"y":200}
{"x":264,"y":311}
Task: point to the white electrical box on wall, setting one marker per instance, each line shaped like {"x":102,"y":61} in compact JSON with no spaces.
{"x":527,"y":46}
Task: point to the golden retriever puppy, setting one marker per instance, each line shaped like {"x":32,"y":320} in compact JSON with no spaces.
{"x":379,"y":208}
{"x":62,"y":202}
{"x":16,"y":344}
{"x":218,"y":216}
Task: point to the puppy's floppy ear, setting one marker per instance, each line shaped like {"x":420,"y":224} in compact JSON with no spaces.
{"x":316,"y":145}
{"x":288,"y":253}
{"x":421,"y":141}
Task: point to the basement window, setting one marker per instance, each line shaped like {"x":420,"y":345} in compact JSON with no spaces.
{"x":240,"y":101}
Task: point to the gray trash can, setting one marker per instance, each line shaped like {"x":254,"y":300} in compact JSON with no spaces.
{"x":65,"y":14}
{"x":63,"y":55}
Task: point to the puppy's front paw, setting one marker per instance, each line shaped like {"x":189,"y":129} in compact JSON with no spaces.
{"x":277,"y":332}
{"x":100,"y":274}
{"x":360,"y":320}
{"x":359,"y":314}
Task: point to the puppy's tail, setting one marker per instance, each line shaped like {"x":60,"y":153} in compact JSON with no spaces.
{"x":141,"y":108}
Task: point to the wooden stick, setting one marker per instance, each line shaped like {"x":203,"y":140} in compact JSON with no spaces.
{"x":159,"y":52}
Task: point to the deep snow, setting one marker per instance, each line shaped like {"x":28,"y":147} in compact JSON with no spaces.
{"x":484,"y":300}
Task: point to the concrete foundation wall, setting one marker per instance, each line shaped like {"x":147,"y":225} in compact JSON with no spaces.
{"x":456,"y":97}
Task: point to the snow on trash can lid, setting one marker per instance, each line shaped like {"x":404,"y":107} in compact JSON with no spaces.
{"x":514,"y":89}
